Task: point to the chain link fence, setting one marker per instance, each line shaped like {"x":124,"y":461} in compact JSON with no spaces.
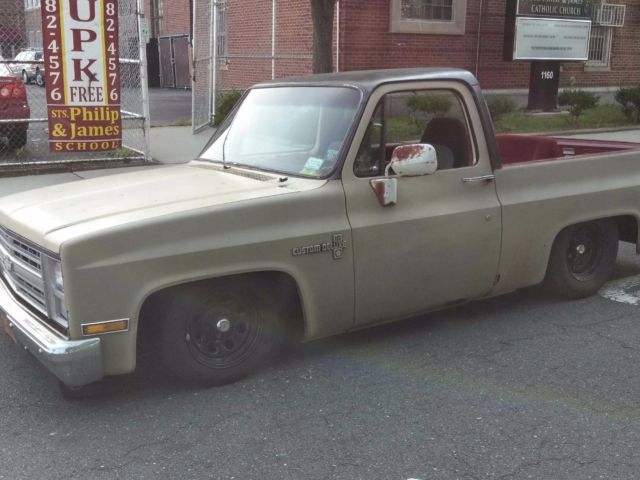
{"x":231,"y":53}
{"x":203,"y":42}
{"x":24,"y":136}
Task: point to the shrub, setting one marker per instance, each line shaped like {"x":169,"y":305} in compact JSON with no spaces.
{"x":224,"y":105}
{"x":500,"y":106}
{"x":629,"y":99}
{"x":578,"y":101}
{"x":434,"y":104}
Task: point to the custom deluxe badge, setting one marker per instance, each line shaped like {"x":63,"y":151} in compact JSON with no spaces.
{"x":336,"y":246}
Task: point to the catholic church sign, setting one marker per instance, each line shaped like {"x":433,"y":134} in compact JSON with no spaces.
{"x":570,"y":9}
{"x":548,"y":30}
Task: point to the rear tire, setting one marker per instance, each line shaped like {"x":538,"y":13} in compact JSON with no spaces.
{"x":582,"y":258}
{"x":25,"y":77}
{"x":217,"y":334}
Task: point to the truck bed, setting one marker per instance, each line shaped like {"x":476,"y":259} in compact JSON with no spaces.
{"x":532,"y":148}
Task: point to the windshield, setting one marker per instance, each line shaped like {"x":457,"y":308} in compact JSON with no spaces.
{"x":291,"y":130}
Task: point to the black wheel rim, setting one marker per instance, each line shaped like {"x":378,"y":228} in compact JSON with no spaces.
{"x":584,"y":253}
{"x":223,"y":336}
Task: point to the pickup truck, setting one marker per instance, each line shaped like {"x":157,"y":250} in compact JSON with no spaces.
{"x":321,"y":205}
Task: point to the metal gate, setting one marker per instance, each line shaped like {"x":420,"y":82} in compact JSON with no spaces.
{"x":174,"y":61}
{"x":24,"y":145}
{"x":203,"y":72}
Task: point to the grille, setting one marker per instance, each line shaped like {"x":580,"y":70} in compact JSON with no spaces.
{"x":21,"y":267}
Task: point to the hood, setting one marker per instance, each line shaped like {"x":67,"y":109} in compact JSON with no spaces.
{"x":49,"y":216}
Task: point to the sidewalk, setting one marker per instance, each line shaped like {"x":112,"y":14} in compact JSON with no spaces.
{"x":169,"y":145}
{"x":177,"y":144}
{"x":613,"y":136}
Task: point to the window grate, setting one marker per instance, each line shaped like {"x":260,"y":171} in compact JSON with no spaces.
{"x":600,"y":46}
{"x":427,"y":9}
{"x":609,"y":15}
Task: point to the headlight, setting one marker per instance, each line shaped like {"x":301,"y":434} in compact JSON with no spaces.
{"x":54,"y":287}
{"x":53,"y":273}
{"x":58,"y":281}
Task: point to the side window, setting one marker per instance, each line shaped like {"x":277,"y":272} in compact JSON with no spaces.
{"x":436,"y":117}
{"x":370,"y":158}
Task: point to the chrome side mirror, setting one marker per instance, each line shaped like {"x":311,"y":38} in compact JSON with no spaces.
{"x":413,"y":160}
{"x":406,"y":161}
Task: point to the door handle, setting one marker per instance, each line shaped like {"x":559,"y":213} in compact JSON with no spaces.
{"x":481,"y":178}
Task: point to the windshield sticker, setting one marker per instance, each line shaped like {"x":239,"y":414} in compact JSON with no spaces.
{"x":333,"y":151}
{"x":313,"y":166}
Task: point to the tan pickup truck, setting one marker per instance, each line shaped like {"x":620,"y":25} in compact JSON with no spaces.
{"x":322,"y":205}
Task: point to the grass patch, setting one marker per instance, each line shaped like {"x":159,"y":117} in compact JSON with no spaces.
{"x":604,"y":116}
{"x":180,"y":123}
{"x":399,"y":129}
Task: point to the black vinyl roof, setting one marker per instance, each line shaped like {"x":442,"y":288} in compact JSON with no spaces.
{"x":368,"y":80}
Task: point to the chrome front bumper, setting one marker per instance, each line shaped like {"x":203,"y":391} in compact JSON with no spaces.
{"x":74,"y":362}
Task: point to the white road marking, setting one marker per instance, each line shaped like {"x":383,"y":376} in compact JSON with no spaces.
{"x":624,"y":290}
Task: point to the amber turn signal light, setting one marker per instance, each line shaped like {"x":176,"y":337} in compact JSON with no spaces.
{"x":105,"y":327}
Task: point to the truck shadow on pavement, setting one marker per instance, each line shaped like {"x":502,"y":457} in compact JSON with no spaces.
{"x":151,"y":379}
{"x":442,"y":338}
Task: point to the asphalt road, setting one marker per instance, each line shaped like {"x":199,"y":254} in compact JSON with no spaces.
{"x":521,"y":387}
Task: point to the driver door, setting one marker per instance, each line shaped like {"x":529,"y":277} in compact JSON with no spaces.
{"x":441,"y":242}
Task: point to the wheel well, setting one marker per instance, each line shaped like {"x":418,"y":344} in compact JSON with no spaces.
{"x":627,"y":228}
{"x":282,"y":286}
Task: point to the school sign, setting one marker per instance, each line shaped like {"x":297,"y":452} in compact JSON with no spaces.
{"x":80,"y":40}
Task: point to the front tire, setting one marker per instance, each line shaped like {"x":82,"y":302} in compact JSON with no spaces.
{"x":217,"y":334}
{"x":582,"y":258}
{"x":25,"y":77}
{"x":39,"y":78}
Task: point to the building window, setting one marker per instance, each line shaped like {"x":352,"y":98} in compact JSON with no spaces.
{"x":427,"y":9}
{"x":222,"y":34}
{"x":600,"y":46}
{"x":606,"y":17}
{"x":31,"y":4}
{"x":440,"y":17}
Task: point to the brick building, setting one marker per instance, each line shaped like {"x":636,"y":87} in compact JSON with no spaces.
{"x":263,"y":39}
{"x":410,"y":33}
{"x":12,"y":36}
